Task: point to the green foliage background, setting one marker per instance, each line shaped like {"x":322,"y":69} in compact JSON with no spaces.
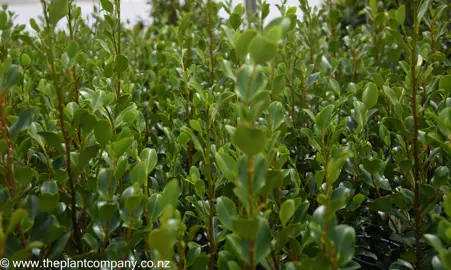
{"x":321,"y":143}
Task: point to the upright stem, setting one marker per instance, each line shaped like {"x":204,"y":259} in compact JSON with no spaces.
{"x":210,"y":32}
{"x":67,"y":139}
{"x":416,"y":169}
{"x":9,"y":155}
{"x":250,"y":176}
{"x":74,"y":70}
{"x":332,"y":24}
{"x":211,"y":194}
{"x":118,"y":83}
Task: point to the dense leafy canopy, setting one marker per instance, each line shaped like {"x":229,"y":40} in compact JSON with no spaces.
{"x":314,"y":143}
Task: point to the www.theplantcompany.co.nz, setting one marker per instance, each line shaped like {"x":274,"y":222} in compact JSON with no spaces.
{"x":96,"y":264}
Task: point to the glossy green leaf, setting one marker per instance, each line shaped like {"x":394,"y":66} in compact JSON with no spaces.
{"x":370,"y":95}
{"x":103,"y":132}
{"x":286,"y":211}
{"x":121,"y":63}
{"x":107,"y":5}
{"x":250,"y":140}
{"x":24,"y":121}
{"x":246,"y":228}
{"x":262,"y":49}
{"x":58,"y":9}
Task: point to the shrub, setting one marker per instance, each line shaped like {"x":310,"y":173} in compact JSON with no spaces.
{"x":212,"y":143}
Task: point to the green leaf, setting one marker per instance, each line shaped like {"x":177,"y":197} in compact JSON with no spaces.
{"x":384,"y":134}
{"x":161,"y":240}
{"x":150,"y":157}
{"x":49,"y":187}
{"x":434,"y":241}
{"x":344,"y":238}
{"x":336,"y":163}
{"x":370,"y":95}
{"x":16,"y":219}
{"x":121,"y":146}
{"x":243,"y":42}
{"x":246,"y":228}
{"x":286,"y":211}
{"x":103,"y":131}
{"x":274,"y":34}
{"x":391,"y":95}
{"x":107,"y":5}
{"x":423,"y":8}
{"x":278,"y":85}
{"x":400,"y":14}
{"x":227,"y":165}
{"x":357,"y":201}
{"x":53,"y":140}
{"x":97,"y":100}
{"x":58,"y":10}
{"x":3,"y":19}
{"x":324,"y":118}
{"x":12,"y":77}
{"x":107,"y":183}
{"x":121,"y":63}
{"x":235,"y":20}
{"x":381,"y":204}
{"x":23,"y":174}
{"x":72,"y":49}
{"x":139,"y":173}
{"x":445,"y":83}
{"x":58,"y":246}
{"x":199,"y":188}
{"x":372,"y":166}
{"x":262,"y":50}
{"x":170,"y":194}
{"x":447,"y":205}
{"x":440,"y":178}
{"x":25,"y":60}
{"x":250,"y":83}
{"x":86,"y":155}
{"x":154,"y":206}
{"x":24,"y":121}
{"x":250,"y":140}
{"x":226,"y":211}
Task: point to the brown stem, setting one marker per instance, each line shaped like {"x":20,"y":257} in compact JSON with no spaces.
{"x":433,"y":43}
{"x":118,"y":83}
{"x":211,"y":232}
{"x":210,"y":32}
{"x":416,"y":168}
{"x":9,"y":155}
{"x":67,"y":139}
{"x":250,"y":175}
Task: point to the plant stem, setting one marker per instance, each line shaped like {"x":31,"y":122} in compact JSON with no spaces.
{"x":211,"y":194}
{"x":416,"y":169}
{"x":250,"y":176}
{"x":210,"y":32}
{"x":118,"y":52}
{"x":9,"y":155}
{"x":67,"y":139}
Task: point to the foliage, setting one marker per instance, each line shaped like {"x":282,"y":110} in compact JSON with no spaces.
{"x":228,"y":143}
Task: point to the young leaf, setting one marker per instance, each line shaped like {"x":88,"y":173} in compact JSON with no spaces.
{"x":58,"y":10}
{"x":107,"y":5}
{"x":400,"y":14}
{"x":286,"y":211}
{"x":226,"y":210}
{"x":370,"y":95}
